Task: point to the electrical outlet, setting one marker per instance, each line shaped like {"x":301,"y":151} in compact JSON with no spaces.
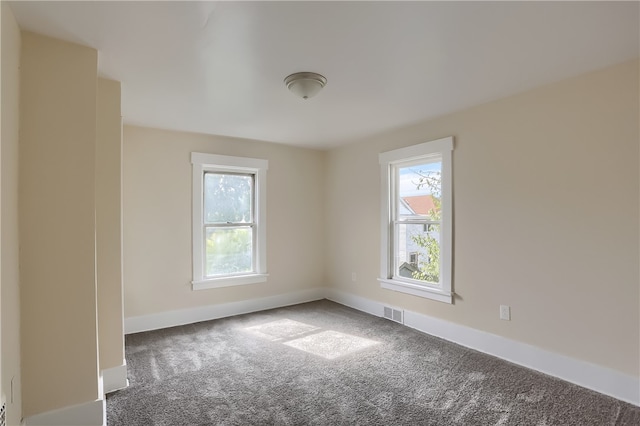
{"x":505,"y":312}
{"x":353,"y":276}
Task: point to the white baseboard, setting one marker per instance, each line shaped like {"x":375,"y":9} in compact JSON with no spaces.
{"x":87,"y":414}
{"x":591,"y":376}
{"x":356,"y":302}
{"x":114,"y":378}
{"x":205,"y":313}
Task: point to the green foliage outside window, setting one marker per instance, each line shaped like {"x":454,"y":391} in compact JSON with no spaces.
{"x":429,"y":262}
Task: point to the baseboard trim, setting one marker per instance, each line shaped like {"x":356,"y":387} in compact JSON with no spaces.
{"x":210,"y":312}
{"x":114,"y":378}
{"x":590,"y":376}
{"x":88,"y":414}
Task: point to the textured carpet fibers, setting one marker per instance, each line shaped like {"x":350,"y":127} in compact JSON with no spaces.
{"x":322,"y":363}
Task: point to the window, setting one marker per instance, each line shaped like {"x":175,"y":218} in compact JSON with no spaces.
{"x":416,"y":220}
{"x":229,"y":218}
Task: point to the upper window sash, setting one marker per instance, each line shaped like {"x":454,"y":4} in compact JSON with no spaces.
{"x":252,"y":190}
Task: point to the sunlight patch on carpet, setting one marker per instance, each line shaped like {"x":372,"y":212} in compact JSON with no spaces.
{"x":327,"y":344}
{"x":331,"y":344}
{"x":283,"y":329}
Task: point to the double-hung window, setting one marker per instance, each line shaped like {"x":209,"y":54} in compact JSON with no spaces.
{"x":416,"y":214}
{"x":229,"y":220}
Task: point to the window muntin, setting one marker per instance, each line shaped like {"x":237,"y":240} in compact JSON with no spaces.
{"x":229,"y":218}
{"x":416,"y":220}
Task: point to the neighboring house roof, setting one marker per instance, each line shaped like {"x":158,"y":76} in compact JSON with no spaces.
{"x":420,"y":204}
{"x":407,"y":269}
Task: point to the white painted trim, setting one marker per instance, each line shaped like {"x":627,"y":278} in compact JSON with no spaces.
{"x":205,"y":313}
{"x":356,"y":302}
{"x":229,"y":281}
{"x":416,"y":290}
{"x":114,"y":378}
{"x":446,"y":225}
{"x":582,"y":373}
{"x":88,"y":414}
{"x":416,"y":151}
{"x":229,"y":162}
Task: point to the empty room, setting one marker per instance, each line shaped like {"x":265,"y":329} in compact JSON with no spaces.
{"x":326,"y":213}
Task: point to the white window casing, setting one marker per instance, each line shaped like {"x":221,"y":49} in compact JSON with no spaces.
{"x":203,"y":163}
{"x":389,"y":161}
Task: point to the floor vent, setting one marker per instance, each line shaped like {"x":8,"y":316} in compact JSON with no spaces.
{"x":3,"y":414}
{"x":394,"y":314}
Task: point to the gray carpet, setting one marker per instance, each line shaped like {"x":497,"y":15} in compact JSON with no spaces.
{"x":322,"y":363}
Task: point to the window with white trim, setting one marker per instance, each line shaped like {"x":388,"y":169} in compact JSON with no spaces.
{"x":416,"y":220}
{"x":229,"y":220}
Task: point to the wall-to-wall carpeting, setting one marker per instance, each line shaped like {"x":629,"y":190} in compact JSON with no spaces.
{"x":322,"y":363}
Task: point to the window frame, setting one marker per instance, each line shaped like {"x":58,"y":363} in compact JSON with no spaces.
{"x":389,"y":162}
{"x":201,"y":164}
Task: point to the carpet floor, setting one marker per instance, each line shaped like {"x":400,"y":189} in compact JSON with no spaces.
{"x":322,"y":363}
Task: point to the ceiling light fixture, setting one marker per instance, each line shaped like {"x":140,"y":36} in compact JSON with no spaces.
{"x":305,"y":84}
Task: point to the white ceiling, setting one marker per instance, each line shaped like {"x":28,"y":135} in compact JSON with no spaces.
{"x":218,"y":67}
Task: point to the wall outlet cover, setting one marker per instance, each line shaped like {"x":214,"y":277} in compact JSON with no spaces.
{"x":505,"y":312}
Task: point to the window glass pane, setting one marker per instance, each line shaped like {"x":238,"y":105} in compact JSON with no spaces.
{"x":418,"y":251}
{"x":420,"y":190}
{"x":227,"y":198}
{"x":228,"y":250}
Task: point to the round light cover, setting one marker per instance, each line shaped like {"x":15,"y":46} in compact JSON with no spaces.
{"x":305,"y":84}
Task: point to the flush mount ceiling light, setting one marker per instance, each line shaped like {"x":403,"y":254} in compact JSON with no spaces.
{"x":305,"y":84}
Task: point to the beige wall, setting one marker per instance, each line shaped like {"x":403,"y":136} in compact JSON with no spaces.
{"x":157,"y":219}
{"x":109,"y":224}
{"x":57,"y":239}
{"x":546,"y":217}
{"x":9,"y":266}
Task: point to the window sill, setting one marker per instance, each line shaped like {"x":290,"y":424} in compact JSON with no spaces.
{"x":417,"y":290}
{"x":228,"y":281}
